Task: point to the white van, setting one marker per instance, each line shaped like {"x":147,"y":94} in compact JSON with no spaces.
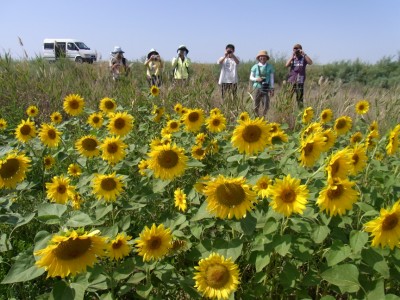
{"x":69,"y":48}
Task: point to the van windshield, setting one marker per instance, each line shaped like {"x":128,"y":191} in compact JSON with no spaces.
{"x":82,"y":45}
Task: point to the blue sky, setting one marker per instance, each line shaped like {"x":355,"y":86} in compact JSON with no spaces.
{"x":328,"y":30}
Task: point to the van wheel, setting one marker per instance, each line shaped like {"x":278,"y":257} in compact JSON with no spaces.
{"x":79,"y":60}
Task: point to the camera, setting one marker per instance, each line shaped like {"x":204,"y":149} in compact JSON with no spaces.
{"x":298,"y":51}
{"x":264,"y":86}
{"x":156,"y":57}
{"x":229,"y":51}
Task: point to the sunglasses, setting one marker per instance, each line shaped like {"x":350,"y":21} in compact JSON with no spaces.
{"x":295,"y":48}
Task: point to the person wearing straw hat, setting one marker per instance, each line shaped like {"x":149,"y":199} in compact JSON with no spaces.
{"x":181,"y":64}
{"x":262,"y":76}
{"x":118,"y":63}
{"x":297,"y":64}
{"x":154,"y":66}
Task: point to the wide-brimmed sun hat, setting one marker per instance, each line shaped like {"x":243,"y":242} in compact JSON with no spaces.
{"x":117,"y":49}
{"x":183,"y":47}
{"x":152,"y":52}
{"x":262,"y":53}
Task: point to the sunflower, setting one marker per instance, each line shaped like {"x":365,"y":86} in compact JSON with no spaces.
{"x":173,"y":126}
{"x":167,"y":161}
{"x":288,"y":196}
{"x":154,"y":91}
{"x":49,"y":135}
{"x":76,"y":201}
{"x":213,"y":147}
{"x":385,"y":229}
{"x":362,"y":107}
{"x":73,"y":104}
{"x":279,"y":137}
{"x":330,"y":139}
{"x":308,"y":114}
{"x":32,"y":111}
{"x":88,"y":146}
{"x":71,"y":253}
{"x":337,"y":197}
{"x":244,"y":116}
{"x":180,"y":199}
{"x":3,"y":124}
{"x":107,"y":187}
{"x":201,"y":184}
{"x":143,"y":166}
{"x":59,"y":190}
{"x":178,"y":108}
{"x":326,"y":115}
{"x":158,"y":112}
{"x":393,"y":144}
{"x":25,"y":131}
{"x":312,"y":128}
{"x":216,"y":277}
{"x":95,"y":120}
{"x":340,"y":164}
{"x":262,"y":186}
{"x":74,"y":170}
{"x":107,"y":105}
{"x":193,"y":119}
{"x":13,"y":169}
{"x":215,"y":111}
{"x":113,"y":149}
{"x":374,"y":126}
{"x":275,"y":127}
{"x":343,"y":125}
{"x":56,"y":117}
{"x":356,"y":138}
{"x":119,"y":247}
{"x":200,"y":138}
{"x":358,"y":158}
{"x":153,"y":243}
{"x":371,"y":138}
{"x":251,"y":136}
{"x":198,"y":152}
{"x":229,"y":197}
{"x":311,"y":149}
{"x":121,"y":123}
{"x":216,"y":123}
{"x":48,"y":162}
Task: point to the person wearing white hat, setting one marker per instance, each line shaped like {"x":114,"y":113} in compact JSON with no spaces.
{"x":181,"y":64}
{"x":118,"y":63}
{"x":154,"y":66}
{"x":262,"y":76}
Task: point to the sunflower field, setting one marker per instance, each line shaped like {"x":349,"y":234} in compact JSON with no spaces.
{"x":167,"y":194}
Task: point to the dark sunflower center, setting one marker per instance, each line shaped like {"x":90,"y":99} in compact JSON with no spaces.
{"x":112,"y":148}
{"x":200,"y":152}
{"x":47,"y":161}
{"x":324,"y":116}
{"x":25,"y":130}
{"x":341,"y":124}
{"x":356,"y":139}
{"x":117,"y":245}
{"x":96,"y":119}
{"x":276,"y":139}
{"x":72,"y":248}
{"x":89,"y":144}
{"x":216,"y":122}
{"x":61,"y":189}
{"x":51,"y":133}
{"x":119,"y":123}
{"x":274,"y":129}
{"x":335,"y":168}
{"x":356,"y":159}
{"x":173,"y":125}
{"x":154,"y":91}
{"x":361,"y":107}
{"x":74,"y":104}
{"x":308,"y":149}
{"x":9,"y":168}
{"x":109,"y":104}
{"x":288,"y":196}
{"x":390,"y":222}
{"x":251,"y":133}
{"x":193,"y":117}
{"x":230,"y":194}
{"x":168,"y":159}
{"x":336,"y":192}
{"x":217,"y":276}
{"x":154,"y":243}
{"x":108,"y":184}
{"x":263,"y":185}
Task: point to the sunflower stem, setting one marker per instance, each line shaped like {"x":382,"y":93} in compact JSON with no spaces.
{"x":313,"y":174}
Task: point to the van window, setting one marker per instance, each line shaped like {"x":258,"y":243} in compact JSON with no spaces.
{"x":71,"y":46}
{"x":49,"y":46}
{"x":82,"y":45}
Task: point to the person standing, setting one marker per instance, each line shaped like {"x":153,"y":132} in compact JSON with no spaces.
{"x":154,"y":66}
{"x":118,"y":63}
{"x":262,"y":76}
{"x":297,"y":64}
{"x":228,"y":77}
{"x":181,"y":65}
